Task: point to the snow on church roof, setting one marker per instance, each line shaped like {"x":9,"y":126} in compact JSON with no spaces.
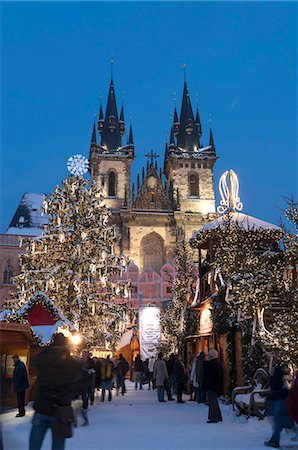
{"x":29,"y":217}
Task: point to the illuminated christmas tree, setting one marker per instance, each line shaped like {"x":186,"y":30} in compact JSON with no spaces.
{"x":246,"y":258}
{"x":178,"y":319}
{"x":285,"y":320}
{"x":74,"y":262}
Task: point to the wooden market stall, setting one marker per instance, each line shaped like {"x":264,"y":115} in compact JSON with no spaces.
{"x":15,"y":339}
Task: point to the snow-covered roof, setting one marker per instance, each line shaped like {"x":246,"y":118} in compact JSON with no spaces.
{"x":46,"y":332}
{"x":29,"y":217}
{"x":247,"y":222}
{"x":125,"y":339}
{"x":41,"y":297}
{"x":4,"y":314}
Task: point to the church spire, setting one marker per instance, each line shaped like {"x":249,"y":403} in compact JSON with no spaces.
{"x":176,"y":120}
{"x":130,"y":136}
{"x":100,"y":117}
{"x":187,"y":137}
{"x":93,"y":136}
{"x":198,"y":121}
{"x":110,"y":135}
{"x":172,"y":139}
{"x":121,"y":120}
{"x":211,"y":140}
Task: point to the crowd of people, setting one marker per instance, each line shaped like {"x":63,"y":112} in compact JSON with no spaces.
{"x":66,"y":387}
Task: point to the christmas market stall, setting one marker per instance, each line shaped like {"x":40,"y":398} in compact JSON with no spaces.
{"x":240,"y":273}
{"x":15,"y":339}
{"x":25,"y":332}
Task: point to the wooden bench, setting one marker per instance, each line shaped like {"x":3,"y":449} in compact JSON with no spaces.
{"x":251,"y":400}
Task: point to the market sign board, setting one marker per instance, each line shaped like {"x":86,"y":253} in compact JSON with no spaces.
{"x":206,"y":324}
{"x":149,"y":331}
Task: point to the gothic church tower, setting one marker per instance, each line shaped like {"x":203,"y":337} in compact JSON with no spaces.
{"x":188,"y":166}
{"x":110,"y":160}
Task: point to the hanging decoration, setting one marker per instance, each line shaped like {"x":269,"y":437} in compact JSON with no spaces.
{"x":229,"y":191}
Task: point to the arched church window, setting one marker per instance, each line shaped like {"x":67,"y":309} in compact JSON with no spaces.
{"x":112,"y":185}
{"x":193,"y":184}
{"x":152,"y":252}
{"x":7,"y":276}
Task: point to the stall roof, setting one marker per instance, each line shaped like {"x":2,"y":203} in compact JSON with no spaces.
{"x":247,"y":222}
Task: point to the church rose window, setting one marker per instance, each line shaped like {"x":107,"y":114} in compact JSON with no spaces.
{"x":112,"y":184}
{"x":7,"y":276}
{"x":193,"y":184}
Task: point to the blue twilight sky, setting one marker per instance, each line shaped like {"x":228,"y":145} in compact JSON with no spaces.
{"x":241,"y":59}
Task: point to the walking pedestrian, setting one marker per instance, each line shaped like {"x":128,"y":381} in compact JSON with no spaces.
{"x":160,"y":376}
{"x":170,"y":368}
{"x":150,"y":372}
{"x":87,"y":384}
{"x":58,"y":382}
{"x":106,"y":368}
{"x":139,"y":371}
{"x":197,"y":373}
{"x":276,"y":404}
{"x":121,"y":369}
{"x":292,"y":404}
{"x":211,"y":384}
{"x":180,"y":377}
{"x":20,"y":383}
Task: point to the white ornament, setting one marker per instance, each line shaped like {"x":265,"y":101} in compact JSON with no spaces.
{"x":229,"y":195}
{"x":77,"y":165}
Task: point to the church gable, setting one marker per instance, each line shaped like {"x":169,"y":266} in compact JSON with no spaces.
{"x":151,"y":195}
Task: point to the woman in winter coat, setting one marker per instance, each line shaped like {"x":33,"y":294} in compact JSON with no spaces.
{"x":160,"y":375}
{"x":211,"y":384}
{"x":180,"y":377}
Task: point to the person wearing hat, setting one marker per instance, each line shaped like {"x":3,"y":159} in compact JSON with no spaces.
{"x":211,"y":384}
{"x":58,"y":382}
{"x":20,"y":383}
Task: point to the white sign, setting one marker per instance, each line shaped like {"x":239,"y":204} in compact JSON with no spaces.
{"x":149,"y":331}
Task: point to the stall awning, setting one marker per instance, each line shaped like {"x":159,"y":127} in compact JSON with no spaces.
{"x":125,"y":340}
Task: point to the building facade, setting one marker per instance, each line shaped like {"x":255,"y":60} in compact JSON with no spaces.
{"x":149,"y":214}
{"x":180,"y":195}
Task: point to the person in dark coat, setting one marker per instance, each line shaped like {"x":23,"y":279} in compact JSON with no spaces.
{"x":20,"y":383}
{"x":121,"y":369}
{"x":170,"y":369}
{"x":276,"y":405}
{"x":87,"y":389}
{"x":180,"y":376}
{"x":139,"y":371}
{"x":211,"y":384}
{"x":292,"y":404}
{"x":58,"y":382}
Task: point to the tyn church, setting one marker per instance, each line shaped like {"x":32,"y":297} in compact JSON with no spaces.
{"x":179,"y":195}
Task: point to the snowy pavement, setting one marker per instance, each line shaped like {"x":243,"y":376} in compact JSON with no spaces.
{"x":138,"y":422}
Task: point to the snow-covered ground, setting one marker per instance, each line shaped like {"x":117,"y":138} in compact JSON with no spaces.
{"x":138,"y":422}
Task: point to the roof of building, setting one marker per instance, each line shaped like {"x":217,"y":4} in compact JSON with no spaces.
{"x":29,"y":217}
